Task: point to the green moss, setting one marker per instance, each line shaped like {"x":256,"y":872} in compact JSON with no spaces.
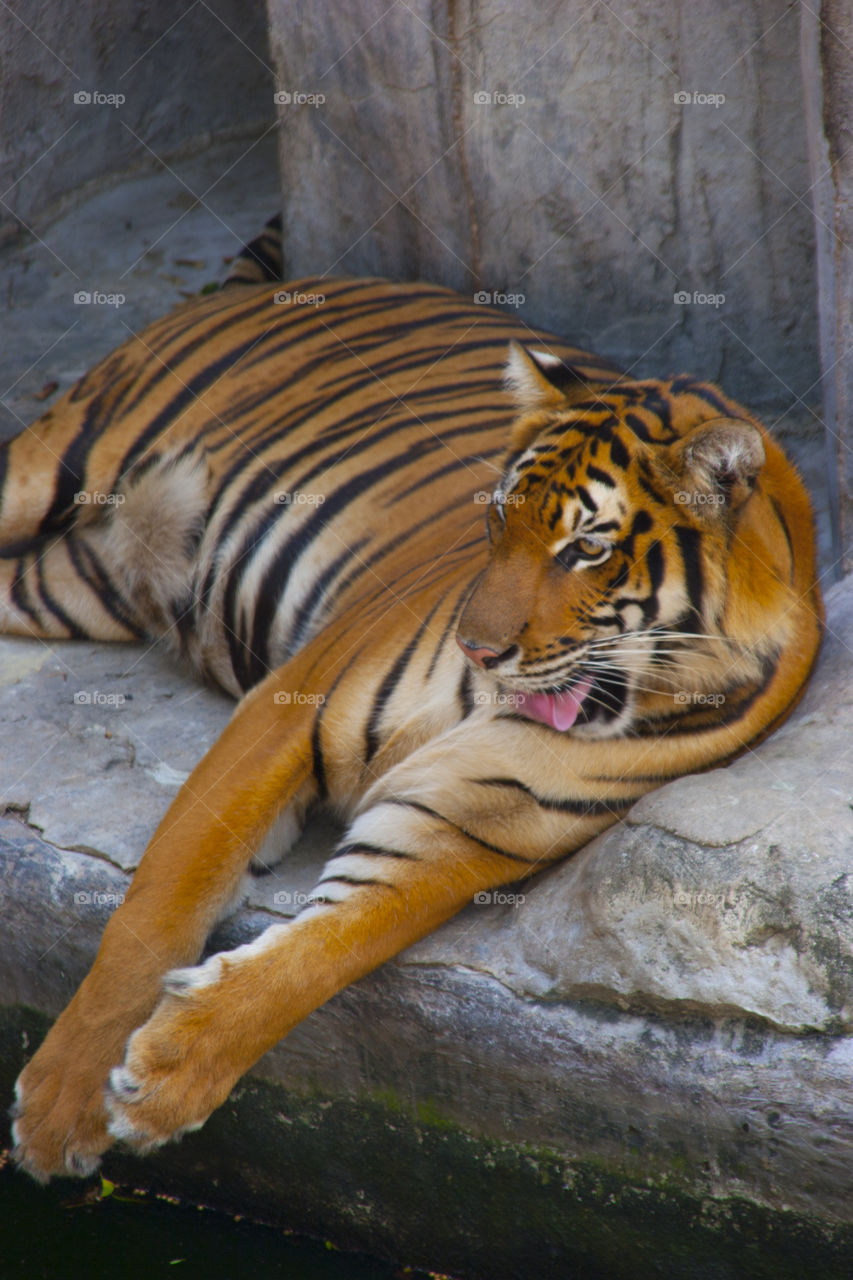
{"x":429,"y":1113}
{"x":396,"y":1178}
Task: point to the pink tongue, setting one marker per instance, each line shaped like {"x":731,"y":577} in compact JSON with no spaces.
{"x":559,"y":710}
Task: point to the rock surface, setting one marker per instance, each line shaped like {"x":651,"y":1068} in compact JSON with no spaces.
{"x":671,"y":1009}
{"x":630,"y":175}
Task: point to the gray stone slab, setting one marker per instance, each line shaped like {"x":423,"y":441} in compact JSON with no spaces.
{"x":673,"y":1004}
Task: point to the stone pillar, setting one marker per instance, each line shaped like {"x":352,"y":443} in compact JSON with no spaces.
{"x":827,"y":35}
{"x":633,"y":176}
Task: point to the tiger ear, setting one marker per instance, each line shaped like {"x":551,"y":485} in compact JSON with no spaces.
{"x":719,"y":461}
{"x":539,"y":381}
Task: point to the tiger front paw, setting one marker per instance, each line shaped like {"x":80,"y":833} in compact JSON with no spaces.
{"x":174,"y":1074}
{"x":60,"y":1120}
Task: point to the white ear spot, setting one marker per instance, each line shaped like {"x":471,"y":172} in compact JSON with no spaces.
{"x":545,"y":359}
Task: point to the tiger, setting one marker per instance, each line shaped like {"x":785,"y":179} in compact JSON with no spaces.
{"x":476,"y":590}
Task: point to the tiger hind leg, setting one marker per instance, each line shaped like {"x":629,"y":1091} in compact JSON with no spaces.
{"x":121,"y":568}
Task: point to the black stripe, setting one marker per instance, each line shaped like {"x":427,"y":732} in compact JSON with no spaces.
{"x":655,"y":564}
{"x":580,"y":808}
{"x":641,"y":524}
{"x":374,"y":851}
{"x":95,"y":577}
{"x":264,"y":253}
{"x":678,"y":725}
{"x":20,"y":595}
{"x":242,"y":309}
{"x":689,"y":544}
{"x":201,"y":328}
{"x":450,"y":626}
{"x":585,"y":497}
{"x":68,"y":481}
{"x":189,"y":392}
{"x":354,"y":881}
{"x":433,"y":813}
{"x":304,"y":616}
{"x":389,"y":684}
{"x":639,"y":428}
{"x":710,"y":396}
{"x":465,"y":692}
{"x":602,"y":477}
{"x":648,"y":488}
{"x":52,"y":605}
{"x":656,"y":403}
{"x":318,"y":762}
{"x":618,"y":453}
{"x":170,"y":362}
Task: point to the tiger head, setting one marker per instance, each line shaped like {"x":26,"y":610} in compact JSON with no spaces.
{"x":636,"y":570}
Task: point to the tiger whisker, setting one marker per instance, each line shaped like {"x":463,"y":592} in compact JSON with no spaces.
{"x":643,"y":688}
{"x":655,"y":636}
{"x":668,"y":631}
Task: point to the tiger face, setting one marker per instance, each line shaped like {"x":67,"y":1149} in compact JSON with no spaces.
{"x":602,"y":600}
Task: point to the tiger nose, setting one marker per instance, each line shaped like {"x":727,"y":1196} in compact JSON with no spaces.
{"x":482,"y":655}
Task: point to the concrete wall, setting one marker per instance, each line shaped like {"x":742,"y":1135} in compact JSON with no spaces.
{"x":629,"y":153}
{"x":828,"y":82}
{"x":185,"y":79}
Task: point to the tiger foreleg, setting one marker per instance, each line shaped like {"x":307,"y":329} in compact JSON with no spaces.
{"x":216,"y":1020}
{"x":403,"y":868}
{"x":186,"y":879}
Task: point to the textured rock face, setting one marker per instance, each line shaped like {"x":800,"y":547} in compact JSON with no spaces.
{"x":87,"y":94}
{"x":642,"y":1008}
{"x":588,"y":163}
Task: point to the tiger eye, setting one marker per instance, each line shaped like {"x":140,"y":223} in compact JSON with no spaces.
{"x":586,"y":547}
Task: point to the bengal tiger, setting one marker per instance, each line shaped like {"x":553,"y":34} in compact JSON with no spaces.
{"x":289,"y":483}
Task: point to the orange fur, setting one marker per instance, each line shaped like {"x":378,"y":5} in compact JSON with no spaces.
{"x":296,"y":496}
